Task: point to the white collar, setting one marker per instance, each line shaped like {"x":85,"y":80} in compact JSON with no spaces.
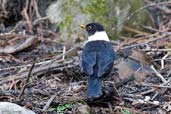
{"x":98,"y":36}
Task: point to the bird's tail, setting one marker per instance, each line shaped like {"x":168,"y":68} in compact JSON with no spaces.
{"x":94,"y":87}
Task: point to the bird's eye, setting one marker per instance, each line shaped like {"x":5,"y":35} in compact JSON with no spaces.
{"x":89,"y":28}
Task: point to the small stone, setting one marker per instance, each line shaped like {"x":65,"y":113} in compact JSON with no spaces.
{"x":141,"y":101}
{"x":156,"y":102}
{"x":147,"y":98}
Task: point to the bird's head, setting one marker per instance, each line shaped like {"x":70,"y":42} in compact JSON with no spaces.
{"x":95,"y":31}
{"x":92,"y":28}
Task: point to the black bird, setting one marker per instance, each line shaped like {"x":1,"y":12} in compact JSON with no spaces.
{"x":97,"y":58}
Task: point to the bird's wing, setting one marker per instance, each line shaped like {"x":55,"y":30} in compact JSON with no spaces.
{"x":88,"y":62}
{"x":105,"y":63}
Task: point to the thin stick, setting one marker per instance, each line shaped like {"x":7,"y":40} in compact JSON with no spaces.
{"x":110,"y":107}
{"x":63,"y":52}
{"x":36,"y":9}
{"x":158,"y":74}
{"x":135,"y":31}
{"x":148,"y":91}
{"x":28,"y":21}
{"x":155,"y":50}
{"x":158,"y":86}
{"x":26,"y":82}
{"x":27,"y":65}
{"x":48,"y":103}
{"x":163,"y":59}
{"x":149,"y":41}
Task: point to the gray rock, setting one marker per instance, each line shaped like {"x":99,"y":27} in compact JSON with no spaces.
{"x":11,"y":108}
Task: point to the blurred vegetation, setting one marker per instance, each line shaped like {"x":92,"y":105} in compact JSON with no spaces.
{"x":61,"y":108}
{"x":107,"y":12}
{"x":98,"y":9}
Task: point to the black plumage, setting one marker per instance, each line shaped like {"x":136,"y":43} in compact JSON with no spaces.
{"x":97,"y":62}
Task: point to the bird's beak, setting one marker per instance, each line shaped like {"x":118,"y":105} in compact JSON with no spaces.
{"x":82,"y":26}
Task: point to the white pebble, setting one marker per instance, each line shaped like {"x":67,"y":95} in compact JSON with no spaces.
{"x":147,"y":98}
{"x":141,"y":101}
{"x":156,"y":102}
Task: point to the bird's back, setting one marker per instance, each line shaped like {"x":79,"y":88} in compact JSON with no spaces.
{"x":98,"y":46}
{"x":98,"y":57}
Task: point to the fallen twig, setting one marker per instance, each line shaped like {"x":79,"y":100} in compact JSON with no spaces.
{"x":163,"y":59}
{"x":26,"y":81}
{"x":48,"y":103}
{"x":158,"y":86}
{"x":156,"y":50}
{"x":18,"y":47}
{"x":149,"y":41}
{"x":27,"y":18}
{"x":158,"y":74}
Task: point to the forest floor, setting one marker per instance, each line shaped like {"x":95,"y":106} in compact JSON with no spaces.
{"x":42,"y":74}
